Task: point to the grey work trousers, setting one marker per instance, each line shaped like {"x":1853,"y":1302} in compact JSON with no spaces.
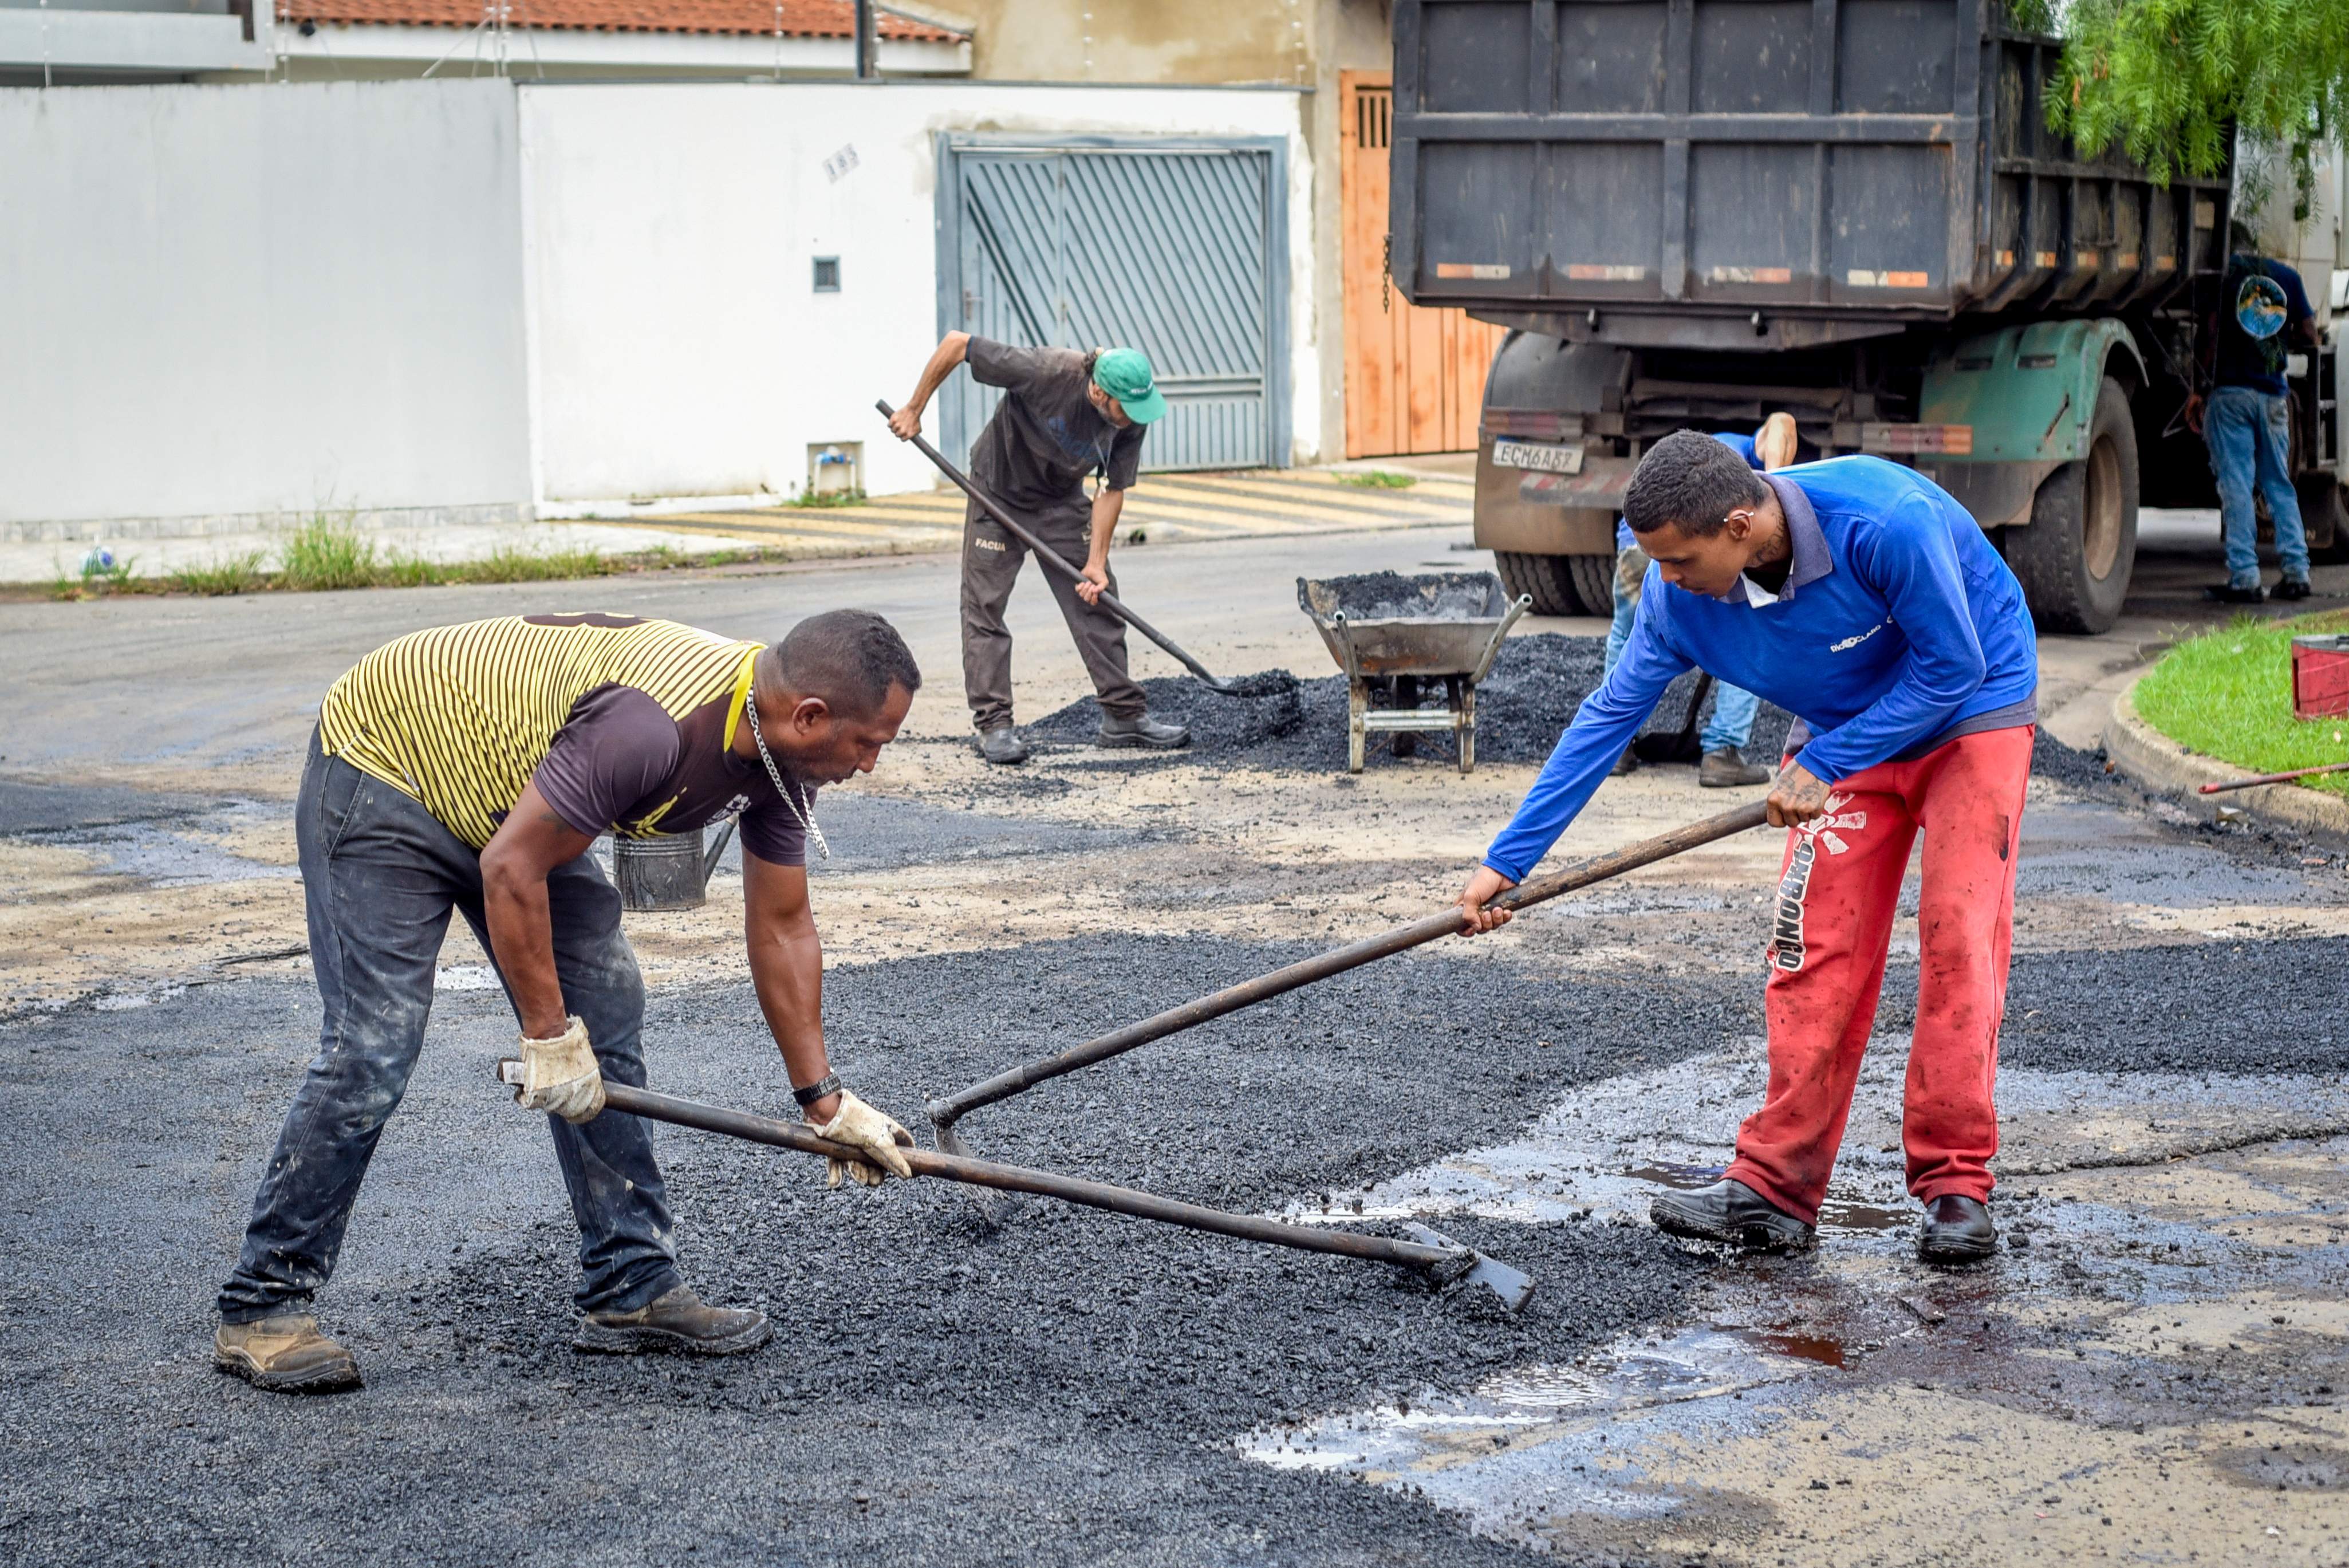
{"x":379,"y":877}
{"x":992,"y":560}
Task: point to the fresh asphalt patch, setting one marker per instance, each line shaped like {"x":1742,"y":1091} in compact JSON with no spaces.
{"x":1066,"y":1390}
{"x":28,"y":808}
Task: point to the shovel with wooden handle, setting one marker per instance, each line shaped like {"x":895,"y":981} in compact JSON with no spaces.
{"x":1429,"y":1252}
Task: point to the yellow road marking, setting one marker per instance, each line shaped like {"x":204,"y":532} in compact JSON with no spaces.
{"x":1276,"y":505}
{"x":768,"y":522}
{"x":1297,"y":493}
{"x":821,"y":520}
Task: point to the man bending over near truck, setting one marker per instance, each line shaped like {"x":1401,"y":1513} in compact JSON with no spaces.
{"x":1866,"y":600}
{"x":471,"y":768}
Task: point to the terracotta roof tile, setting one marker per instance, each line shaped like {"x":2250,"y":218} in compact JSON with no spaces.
{"x":793,"y":18}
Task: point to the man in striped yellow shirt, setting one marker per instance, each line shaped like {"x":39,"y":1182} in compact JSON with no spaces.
{"x":470,"y":768}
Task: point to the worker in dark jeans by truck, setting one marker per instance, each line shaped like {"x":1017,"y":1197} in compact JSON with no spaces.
{"x":1064,"y":415}
{"x":2247,"y":421}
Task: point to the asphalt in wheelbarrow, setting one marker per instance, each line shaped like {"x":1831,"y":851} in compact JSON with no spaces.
{"x":1523,"y":706}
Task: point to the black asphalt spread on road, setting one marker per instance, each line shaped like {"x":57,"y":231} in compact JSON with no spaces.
{"x":1064,"y":1391}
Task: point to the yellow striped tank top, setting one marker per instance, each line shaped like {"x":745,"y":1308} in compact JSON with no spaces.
{"x":460,"y":716}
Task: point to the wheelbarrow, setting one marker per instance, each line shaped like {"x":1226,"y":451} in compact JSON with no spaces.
{"x":1396,"y":636}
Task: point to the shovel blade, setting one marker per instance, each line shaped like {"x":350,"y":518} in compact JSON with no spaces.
{"x":1513,"y":1287}
{"x":995,"y":1209}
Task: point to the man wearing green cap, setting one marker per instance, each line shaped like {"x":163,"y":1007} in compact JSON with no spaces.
{"x":1065,"y":415}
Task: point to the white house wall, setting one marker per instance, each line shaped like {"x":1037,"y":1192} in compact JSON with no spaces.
{"x":678,"y":346}
{"x":225,"y":305}
{"x":260,"y":300}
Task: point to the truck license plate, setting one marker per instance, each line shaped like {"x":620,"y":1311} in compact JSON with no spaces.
{"x":1540,"y":456}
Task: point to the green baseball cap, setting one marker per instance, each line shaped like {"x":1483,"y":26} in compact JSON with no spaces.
{"x":1126,"y":375}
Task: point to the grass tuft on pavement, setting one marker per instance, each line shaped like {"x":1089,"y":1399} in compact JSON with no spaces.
{"x":237,"y":574}
{"x":328,"y":553}
{"x":1378,"y":479}
{"x":2228,"y":694}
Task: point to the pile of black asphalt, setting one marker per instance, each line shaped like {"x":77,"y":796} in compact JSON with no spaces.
{"x":1523,"y":704}
{"x":1069,"y":1389}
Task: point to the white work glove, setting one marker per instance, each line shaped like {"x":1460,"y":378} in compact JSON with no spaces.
{"x":860,"y":1126}
{"x":561,"y":1075}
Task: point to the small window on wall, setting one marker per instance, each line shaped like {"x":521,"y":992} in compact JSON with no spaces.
{"x":827,"y":274}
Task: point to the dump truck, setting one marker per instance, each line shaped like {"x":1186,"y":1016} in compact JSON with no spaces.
{"x":1696,"y":213}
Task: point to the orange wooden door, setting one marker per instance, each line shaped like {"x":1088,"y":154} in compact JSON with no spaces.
{"x":1414,"y":378}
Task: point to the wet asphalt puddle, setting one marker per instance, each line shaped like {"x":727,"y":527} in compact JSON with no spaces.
{"x":2164,"y":1330}
{"x":134,"y":837}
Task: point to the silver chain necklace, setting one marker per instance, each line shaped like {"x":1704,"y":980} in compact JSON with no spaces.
{"x":801,"y":807}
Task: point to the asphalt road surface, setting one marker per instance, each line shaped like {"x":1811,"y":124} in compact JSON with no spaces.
{"x":2148,"y":1373}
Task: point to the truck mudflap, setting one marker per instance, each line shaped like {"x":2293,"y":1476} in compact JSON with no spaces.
{"x":2029,"y":395}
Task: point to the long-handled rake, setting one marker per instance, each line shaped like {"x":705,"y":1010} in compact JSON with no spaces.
{"x":1429,"y":1252}
{"x":1444,"y":922}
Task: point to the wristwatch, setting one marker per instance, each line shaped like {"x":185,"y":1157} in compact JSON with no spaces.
{"x":827,"y":1084}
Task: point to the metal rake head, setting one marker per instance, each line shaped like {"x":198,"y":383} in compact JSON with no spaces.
{"x":994,"y":1209}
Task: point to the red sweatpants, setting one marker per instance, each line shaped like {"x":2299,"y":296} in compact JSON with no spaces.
{"x":1837,"y":890}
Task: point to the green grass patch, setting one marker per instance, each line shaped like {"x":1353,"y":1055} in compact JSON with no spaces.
{"x":237,"y":574}
{"x":1378,"y":479}
{"x":328,"y":550}
{"x":810,"y":500}
{"x":2228,"y":694}
{"x":507,"y":563}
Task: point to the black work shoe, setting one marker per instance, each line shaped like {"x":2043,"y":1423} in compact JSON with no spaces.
{"x":2293,"y":589}
{"x":1957,"y":1230}
{"x":1728,"y":769}
{"x":1734,"y":1215}
{"x":1002,"y":746}
{"x":2228,"y":594}
{"x":677,"y":1321}
{"x":284,"y":1354}
{"x":1142,"y":730}
{"x":1628,"y":763}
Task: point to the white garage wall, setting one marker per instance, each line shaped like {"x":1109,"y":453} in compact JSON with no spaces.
{"x":260,"y":300}
{"x":677,"y":344}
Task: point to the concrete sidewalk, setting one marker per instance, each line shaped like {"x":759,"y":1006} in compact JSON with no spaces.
{"x":1164,"y":508}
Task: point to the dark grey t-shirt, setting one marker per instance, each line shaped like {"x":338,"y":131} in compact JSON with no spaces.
{"x":621,"y":763}
{"x":1046,"y":435}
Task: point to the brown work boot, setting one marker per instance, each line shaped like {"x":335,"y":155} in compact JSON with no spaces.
{"x":1727,"y":768}
{"x":1628,"y":763}
{"x":284,"y":1354}
{"x":677,"y":1321}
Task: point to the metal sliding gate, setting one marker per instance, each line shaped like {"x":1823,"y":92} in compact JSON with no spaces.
{"x":1178,"y":248}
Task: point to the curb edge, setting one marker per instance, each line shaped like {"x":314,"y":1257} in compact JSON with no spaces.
{"x":2154,"y":760}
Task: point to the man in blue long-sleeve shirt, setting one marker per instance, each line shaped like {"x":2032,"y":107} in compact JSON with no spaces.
{"x":1862,"y":597}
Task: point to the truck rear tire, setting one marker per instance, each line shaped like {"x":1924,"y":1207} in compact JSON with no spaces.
{"x":1561,"y":584}
{"x":2075,"y":557}
{"x":2324,"y":513}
